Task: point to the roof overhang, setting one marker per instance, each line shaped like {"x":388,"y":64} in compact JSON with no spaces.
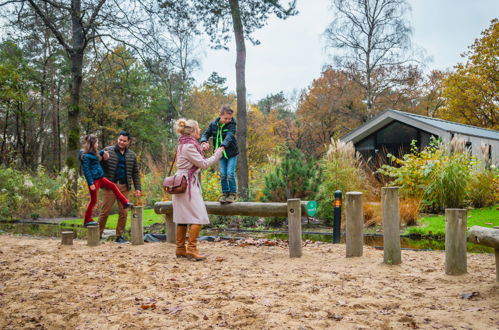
{"x":384,"y":119}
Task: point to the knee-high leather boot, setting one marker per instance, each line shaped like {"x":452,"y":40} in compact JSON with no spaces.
{"x":192,"y":250}
{"x":181,"y":251}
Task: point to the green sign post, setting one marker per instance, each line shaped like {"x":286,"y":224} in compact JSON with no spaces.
{"x":311,"y":208}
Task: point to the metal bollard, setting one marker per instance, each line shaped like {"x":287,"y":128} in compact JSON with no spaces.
{"x":337,"y":216}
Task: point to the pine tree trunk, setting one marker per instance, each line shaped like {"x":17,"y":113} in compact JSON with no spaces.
{"x":242,"y":161}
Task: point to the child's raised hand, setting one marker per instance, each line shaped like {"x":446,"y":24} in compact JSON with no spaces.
{"x":92,"y":187}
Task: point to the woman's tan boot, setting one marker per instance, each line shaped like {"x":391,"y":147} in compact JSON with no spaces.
{"x":192,"y":250}
{"x":181,"y":251}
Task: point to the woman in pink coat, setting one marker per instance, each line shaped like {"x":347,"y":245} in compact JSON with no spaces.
{"x":189,"y":208}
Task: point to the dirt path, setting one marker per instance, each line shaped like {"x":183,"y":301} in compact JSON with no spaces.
{"x":120,"y":286}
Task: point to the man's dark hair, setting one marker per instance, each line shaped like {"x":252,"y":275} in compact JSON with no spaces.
{"x":125,"y":133}
{"x":226,"y":109}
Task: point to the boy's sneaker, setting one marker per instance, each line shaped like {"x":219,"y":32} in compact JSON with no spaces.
{"x":120,"y":239}
{"x":90,"y":223}
{"x":231,"y":198}
{"x":128,"y":205}
{"x":223,"y":199}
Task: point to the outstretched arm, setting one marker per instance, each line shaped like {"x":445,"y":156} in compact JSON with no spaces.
{"x":193,"y":156}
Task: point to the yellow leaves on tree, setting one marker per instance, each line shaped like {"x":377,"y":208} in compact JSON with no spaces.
{"x":263,"y":141}
{"x":472,"y":92}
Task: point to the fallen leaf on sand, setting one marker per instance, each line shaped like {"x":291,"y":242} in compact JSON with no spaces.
{"x":144,"y":306}
{"x":219,"y":259}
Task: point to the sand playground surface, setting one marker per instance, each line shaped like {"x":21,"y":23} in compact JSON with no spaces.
{"x":44,"y":285}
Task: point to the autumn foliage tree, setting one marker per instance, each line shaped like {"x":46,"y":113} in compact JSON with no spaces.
{"x":472,"y":91}
{"x":331,"y":107}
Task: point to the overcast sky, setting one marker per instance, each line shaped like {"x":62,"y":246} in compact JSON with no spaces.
{"x":291,"y":53}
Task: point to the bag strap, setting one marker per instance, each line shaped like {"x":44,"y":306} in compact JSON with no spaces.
{"x":173,"y":162}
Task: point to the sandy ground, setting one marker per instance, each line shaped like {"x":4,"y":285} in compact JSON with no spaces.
{"x":45,"y":285}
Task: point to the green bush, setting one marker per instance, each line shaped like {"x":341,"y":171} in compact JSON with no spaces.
{"x":483,"y":187}
{"x":341,"y":170}
{"x":438,"y":175}
{"x":296,"y":176}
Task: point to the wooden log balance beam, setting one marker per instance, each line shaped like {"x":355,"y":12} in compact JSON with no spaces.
{"x":487,"y":237}
{"x":247,"y":209}
{"x":238,"y":208}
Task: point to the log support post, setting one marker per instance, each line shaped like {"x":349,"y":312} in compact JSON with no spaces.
{"x":170,"y":228}
{"x":355,"y":223}
{"x":294,"y":228}
{"x":67,"y":238}
{"x":93,"y":235}
{"x":138,"y":225}
{"x":391,"y":225}
{"x":455,"y":241}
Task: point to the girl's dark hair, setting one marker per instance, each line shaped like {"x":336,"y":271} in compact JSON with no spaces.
{"x":89,"y":142}
{"x":226,"y":109}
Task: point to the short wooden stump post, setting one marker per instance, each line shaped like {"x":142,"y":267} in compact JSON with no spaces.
{"x":170,"y":228}
{"x":391,"y":225}
{"x":93,"y":235}
{"x":455,"y":241}
{"x":354,"y":223}
{"x":137,"y":225}
{"x":294,"y":228}
{"x":67,"y":238}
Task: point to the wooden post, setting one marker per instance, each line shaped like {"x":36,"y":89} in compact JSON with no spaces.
{"x":487,"y":237}
{"x":455,"y":241}
{"x":67,"y":238}
{"x":93,"y":235}
{"x":137,"y":225}
{"x":294,"y":228}
{"x":497,"y":264}
{"x":170,"y":228}
{"x":391,"y":225}
{"x":355,"y":223}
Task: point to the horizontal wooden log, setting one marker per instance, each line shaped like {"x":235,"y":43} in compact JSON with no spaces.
{"x":484,"y":236}
{"x":239,"y":208}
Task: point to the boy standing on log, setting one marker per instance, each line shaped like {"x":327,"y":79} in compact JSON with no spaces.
{"x":223,"y":131}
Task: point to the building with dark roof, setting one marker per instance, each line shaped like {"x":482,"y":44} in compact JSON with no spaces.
{"x":393,"y":131}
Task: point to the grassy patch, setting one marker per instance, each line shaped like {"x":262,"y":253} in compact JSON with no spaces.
{"x":485,"y":217}
{"x":150,"y":217}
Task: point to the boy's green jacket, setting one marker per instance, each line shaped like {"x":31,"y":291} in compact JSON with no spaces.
{"x":223,"y":135}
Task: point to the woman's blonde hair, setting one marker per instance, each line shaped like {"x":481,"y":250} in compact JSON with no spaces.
{"x":186,"y":126}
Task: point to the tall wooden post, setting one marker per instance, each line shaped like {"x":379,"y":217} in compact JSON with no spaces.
{"x":391,"y":225}
{"x":355,"y":223}
{"x":170,"y":228}
{"x":93,"y":235}
{"x":294,"y":228}
{"x":455,"y":241}
{"x":138,"y":225}
{"x":67,"y":238}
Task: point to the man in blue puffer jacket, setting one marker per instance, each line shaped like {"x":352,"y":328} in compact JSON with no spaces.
{"x":223,"y":131}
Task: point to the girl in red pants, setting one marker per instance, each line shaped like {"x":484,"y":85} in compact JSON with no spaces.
{"x":94,"y":174}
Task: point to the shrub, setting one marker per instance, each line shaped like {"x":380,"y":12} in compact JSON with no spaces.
{"x":438,"y":175}
{"x":295,"y":176}
{"x":409,"y":211}
{"x":483,"y":188}
{"x":341,"y":170}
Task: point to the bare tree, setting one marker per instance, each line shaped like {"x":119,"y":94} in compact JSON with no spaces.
{"x":373,"y":39}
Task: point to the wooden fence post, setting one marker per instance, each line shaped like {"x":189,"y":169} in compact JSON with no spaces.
{"x":67,"y":238}
{"x":355,"y":223}
{"x":138,"y":225}
{"x":93,"y":235}
{"x":170,"y":228}
{"x":455,"y":241}
{"x":391,"y":225}
{"x":294,"y":228}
